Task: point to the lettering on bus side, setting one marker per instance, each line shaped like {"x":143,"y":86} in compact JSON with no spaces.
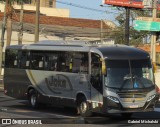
{"x":57,"y":83}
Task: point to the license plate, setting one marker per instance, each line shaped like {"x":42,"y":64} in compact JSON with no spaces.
{"x":133,"y":106}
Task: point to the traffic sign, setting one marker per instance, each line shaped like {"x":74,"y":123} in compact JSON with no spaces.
{"x":146,"y":25}
{"x":148,"y":19}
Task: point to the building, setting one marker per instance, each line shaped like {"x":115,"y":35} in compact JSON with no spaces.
{"x":47,"y":7}
{"x":59,"y":28}
{"x":43,"y":3}
{"x":147,"y":48}
{"x":56,"y":27}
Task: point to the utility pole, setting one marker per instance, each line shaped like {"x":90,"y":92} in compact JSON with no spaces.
{"x":20,"y":35}
{"x":2,"y":36}
{"x":9,"y":22}
{"x":3,"y":26}
{"x":153,"y":37}
{"x":101,"y":31}
{"x":37,"y":21}
{"x":127,"y":25}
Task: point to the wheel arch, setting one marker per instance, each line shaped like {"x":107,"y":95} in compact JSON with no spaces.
{"x":79,"y":95}
{"x":28,"y":89}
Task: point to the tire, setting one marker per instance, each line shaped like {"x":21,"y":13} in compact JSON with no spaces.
{"x":33,"y":99}
{"x":83,"y":107}
{"x":126,"y":115}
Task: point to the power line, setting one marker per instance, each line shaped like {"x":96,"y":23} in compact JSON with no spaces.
{"x":83,"y":7}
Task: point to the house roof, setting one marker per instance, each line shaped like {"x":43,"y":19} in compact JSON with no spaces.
{"x":62,"y":27}
{"x":62,"y":21}
{"x":148,"y":48}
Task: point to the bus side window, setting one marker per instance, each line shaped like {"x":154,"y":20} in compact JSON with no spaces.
{"x":11,"y":58}
{"x":61,"y":62}
{"x":52,"y":61}
{"x":27,"y":64}
{"x":16,"y":62}
{"x":23,"y":60}
{"x":76,"y":62}
{"x":84,"y":63}
{"x":37,"y":60}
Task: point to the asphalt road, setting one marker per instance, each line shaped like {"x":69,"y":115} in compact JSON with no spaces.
{"x":19,"y":109}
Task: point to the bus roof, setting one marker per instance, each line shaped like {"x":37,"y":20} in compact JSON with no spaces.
{"x":107,"y":51}
{"x":123,"y":52}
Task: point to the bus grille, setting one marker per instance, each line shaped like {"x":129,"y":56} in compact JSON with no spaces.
{"x":130,"y":97}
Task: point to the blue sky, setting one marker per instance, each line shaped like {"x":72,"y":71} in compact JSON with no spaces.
{"x":76,"y":12}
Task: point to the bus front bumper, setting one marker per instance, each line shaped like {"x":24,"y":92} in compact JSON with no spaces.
{"x":113,"y":107}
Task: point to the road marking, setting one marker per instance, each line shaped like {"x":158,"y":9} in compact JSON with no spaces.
{"x":157,"y":109}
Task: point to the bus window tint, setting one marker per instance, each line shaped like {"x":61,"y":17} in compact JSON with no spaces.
{"x":84,"y":63}
{"x":58,"y":61}
{"x":37,"y":61}
{"x":129,"y":72}
{"x":80,"y":62}
{"x":74,"y":62}
{"x":117,"y":72}
{"x":142,"y":71}
{"x":11,"y":60}
{"x":68,"y":61}
{"x":61,"y":62}
{"x":51,"y":61}
{"x":23,"y":57}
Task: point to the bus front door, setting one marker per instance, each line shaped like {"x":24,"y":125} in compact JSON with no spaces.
{"x":96,"y":82}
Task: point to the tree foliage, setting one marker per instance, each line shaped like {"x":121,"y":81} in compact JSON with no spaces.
{"x":12,"y":1}
{"x":136,"y":37}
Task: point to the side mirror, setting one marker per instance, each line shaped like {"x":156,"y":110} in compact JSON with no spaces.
{"x":154,"y":67}
{"x":104,"y":70}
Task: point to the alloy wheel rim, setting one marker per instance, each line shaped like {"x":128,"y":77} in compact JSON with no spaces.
{"x":83,"y":107}
{"x":33,"y":100}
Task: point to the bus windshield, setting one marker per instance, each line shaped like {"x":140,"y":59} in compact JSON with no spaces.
{"x":129,"y":74}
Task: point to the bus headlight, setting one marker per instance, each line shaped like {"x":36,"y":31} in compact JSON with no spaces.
{"x":150,"y":98}
{"x":113,"y":99}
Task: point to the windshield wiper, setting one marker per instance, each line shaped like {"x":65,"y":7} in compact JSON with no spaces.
{"x":125,"y":79}
{"x":136,"y":77}
{"x":128,"y":77}
{"x":112,"y":87}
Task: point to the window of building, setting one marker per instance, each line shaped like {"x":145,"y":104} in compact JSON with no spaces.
{"x":50,"y":3}
{"x":25,"y":2}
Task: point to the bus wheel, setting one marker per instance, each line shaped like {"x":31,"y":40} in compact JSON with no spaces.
{"x":126,"y":115}
{"x":33,"y":98}
{"x":83,"y":107}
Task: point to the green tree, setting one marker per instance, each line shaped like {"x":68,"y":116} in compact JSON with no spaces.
{"x":7,"y":21}
{"x":136,"y":37}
